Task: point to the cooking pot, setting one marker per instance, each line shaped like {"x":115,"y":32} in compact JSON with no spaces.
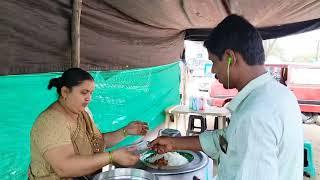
{"x":125,"y":174}
{"x":200,"y":167}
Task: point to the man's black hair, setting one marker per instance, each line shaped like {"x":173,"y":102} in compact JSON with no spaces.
{"x":237,"y":34}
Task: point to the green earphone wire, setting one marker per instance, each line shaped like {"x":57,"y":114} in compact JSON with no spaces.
{"x":228,"y":71}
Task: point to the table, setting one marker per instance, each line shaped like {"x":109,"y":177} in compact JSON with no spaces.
{"x":221,"y":112}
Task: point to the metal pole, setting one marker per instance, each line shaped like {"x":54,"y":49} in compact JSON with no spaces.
{"x":317,"y":54}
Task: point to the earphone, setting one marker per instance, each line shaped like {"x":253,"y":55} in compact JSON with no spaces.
{"x":228,"y":70}
{"x":229,"y":60}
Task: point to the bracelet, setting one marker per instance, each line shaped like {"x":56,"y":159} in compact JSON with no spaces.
{"x":110,"y":158}
{"x":124,"y":132}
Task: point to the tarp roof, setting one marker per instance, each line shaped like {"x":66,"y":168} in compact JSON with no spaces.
{"x":118,"y":34}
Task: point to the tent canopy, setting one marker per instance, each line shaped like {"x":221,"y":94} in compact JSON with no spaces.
{"x":119,"y":34}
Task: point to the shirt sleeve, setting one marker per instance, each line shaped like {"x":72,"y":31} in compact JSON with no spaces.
{"x":209,"y":141}
{"x":259,"y":138}
{"x":50,"y":131}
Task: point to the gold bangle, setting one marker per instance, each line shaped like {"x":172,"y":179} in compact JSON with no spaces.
{"x":110,"y":158}
{"x":124,"y":132}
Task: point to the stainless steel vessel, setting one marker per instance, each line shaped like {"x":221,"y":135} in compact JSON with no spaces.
{"x":201,"y":167}
{"x":125,"y":174}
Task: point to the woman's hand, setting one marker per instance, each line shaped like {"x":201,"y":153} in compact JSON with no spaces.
{"x":137,"y":128}
{"x":124,"y":157}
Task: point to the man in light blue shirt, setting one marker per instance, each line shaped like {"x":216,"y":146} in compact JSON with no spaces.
{"x":264,"y":139}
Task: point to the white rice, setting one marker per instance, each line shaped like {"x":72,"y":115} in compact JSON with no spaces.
{"x":173,"y":158}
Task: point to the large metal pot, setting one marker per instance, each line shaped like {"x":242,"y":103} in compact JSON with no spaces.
{"x":125,"y":174}
{"x":201,"y":167}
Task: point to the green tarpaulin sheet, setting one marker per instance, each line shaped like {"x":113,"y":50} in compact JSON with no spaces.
{"x":119,"y":98}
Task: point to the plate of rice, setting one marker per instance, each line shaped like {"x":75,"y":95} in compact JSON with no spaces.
{"x":169,"y":160}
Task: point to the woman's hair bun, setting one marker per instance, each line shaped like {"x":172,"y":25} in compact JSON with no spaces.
{"x":54,"y":82}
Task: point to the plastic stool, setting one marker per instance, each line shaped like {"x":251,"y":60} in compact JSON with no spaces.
{"x":191,"y":125}
{"x":216,"y":122}
{"x":308,"y":159}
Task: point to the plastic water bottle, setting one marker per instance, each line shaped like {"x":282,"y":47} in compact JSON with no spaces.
{"x":201,"y":103}
{"x":190,"y":102}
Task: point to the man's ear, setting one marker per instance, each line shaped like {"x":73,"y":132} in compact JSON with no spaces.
{"x":230,"y":56}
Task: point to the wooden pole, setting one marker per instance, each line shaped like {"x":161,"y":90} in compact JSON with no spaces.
{"x":75,"y":33}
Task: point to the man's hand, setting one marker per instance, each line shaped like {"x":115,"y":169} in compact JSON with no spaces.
{"x":162,"y":144}
{"x":165,"y":144}
{"x":124,"y":157}
{"x":137,"y":128}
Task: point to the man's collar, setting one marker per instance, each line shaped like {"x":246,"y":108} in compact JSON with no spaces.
{"x":253,"y":84}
